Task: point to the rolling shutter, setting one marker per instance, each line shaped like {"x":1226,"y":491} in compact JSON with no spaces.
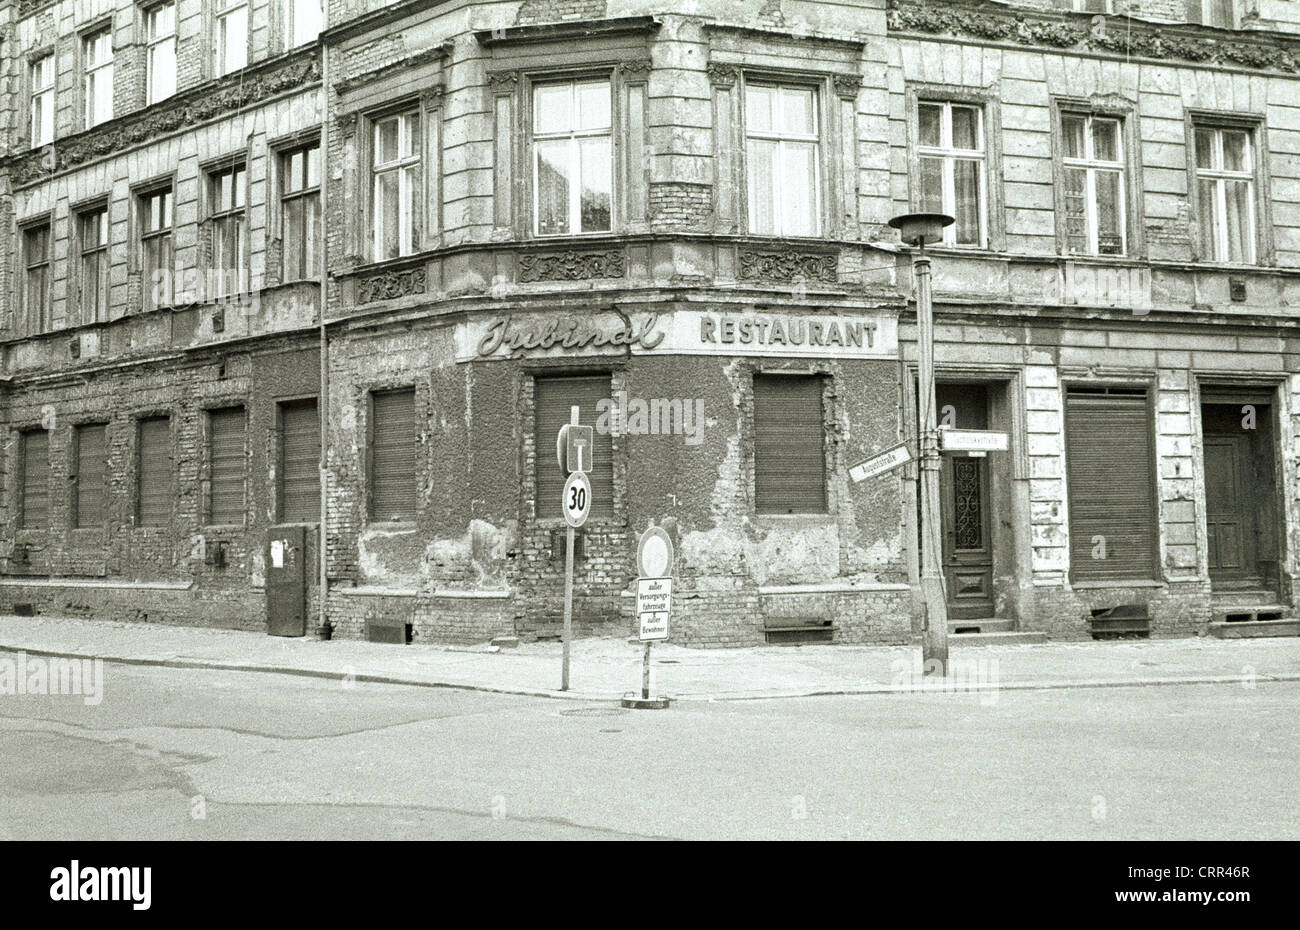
{"x":299,"y":462}
{"x":1109,"y":464}
{"x":392,"y":455}
{"x":154,"y":473}
{"x":552,"y":398}
{"x":226,"y":466}
{"x":789,"y":444}
{"x":92,"y":468}
{"x":36,"y":480}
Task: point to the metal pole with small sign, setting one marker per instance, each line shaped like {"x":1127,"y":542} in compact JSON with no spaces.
{"x":654,"y":593}
{"x":573,"y":448}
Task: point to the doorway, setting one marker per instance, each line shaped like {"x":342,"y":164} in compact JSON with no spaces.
{"x":965,"y":497}
{"x":1241,"y":508}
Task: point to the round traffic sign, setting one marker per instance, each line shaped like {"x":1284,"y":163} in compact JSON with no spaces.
{"x":576,"y":503}
{"x":654,"y":553}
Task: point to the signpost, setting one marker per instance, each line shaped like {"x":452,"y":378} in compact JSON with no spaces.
{"x":573,"y":447}
{"x":654,"y":597}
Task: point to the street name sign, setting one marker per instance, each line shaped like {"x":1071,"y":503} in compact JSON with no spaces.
{"x":972,"y":440}
{"x":881,"y":462}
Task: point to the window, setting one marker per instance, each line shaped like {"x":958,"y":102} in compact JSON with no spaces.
{"x":1225,"y":193}
{"x":553,"y":395}
{"x":226,"y":220}
{"x":1084,"y":6}
{"x":1093,"y":172}
{"x":300,"y":212}
{"x":789,"y":444}
{"x":34,"y":505}
{"x":572,"y":158}
{"x":1109,"y":467}
{"x":160,"y":52}
{"x":92,"y":280}
{"x":156,"y":247}
{"x":950,"y":146}
{"x":36,"y":262}
{"x":230,"y":42}
{"x":395,"y":204}
{"x":299,"y":497}
{"x":392,"y":455}
{"x":42,"y":77}
{"x":226,"y":466}
{"x":782,"y":150}
{"x":1211,"y":13}
{"x":97,"y":55}
{"x":89,"y":481}
{"x":303,"y":21}
{"x":153,"y":474}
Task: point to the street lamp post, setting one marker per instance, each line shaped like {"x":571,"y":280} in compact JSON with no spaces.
{"x":918,"y":229}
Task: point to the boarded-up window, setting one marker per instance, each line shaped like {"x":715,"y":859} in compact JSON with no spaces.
{"x":1109,"y":464}
{"x":88,"y":482}
{"x":789,"y":444}
{"x":34,"y":508}
{"x":392,"y":455}
{"x":299,"y":462}
{"x":153,"y":493}
{"x":552,"y":398}
{"x":226,"y":466}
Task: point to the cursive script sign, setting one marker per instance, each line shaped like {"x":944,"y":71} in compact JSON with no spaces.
{"x":515,"y":337}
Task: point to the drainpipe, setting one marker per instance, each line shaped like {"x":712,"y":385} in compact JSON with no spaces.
{"x":322,"y":406}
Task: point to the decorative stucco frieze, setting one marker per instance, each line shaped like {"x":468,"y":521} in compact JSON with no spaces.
{"x":1084,"y":32}
{"x":187,"y":109}
{"x":571,"y":265}
{"x":390,"y":285}
{"x":788,"y":266}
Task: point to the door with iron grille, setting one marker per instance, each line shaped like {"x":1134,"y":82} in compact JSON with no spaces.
{"x":964,"y":490}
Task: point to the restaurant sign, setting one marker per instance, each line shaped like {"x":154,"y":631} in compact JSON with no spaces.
{"x":864,"y":334}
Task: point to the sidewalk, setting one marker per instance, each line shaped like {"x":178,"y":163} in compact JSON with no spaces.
{"x":605,"y":669}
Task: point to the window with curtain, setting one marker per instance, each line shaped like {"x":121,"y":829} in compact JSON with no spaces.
{"x":160,"y":52}
{"x":950,"y":148}
{"x":156,"y":247}
{"x":304,"y":21}
{"x":300,"y":212}
{"x":36,"y":274}
{"x":572,"y":158}
{"x":1219,"y":13}
{"x":227,"y":221}
{"x":97,"y":54}
{"x":92,"y":278}
{"x":41,"y":72}
{"x":1225,"y":193}
{"x":230,"y":42}
{"x":783,"y":161}
{"x":1093,"y":173}
{"x":395,"y":202}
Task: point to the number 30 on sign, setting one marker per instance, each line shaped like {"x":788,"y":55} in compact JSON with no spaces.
{"x":577,"y":499}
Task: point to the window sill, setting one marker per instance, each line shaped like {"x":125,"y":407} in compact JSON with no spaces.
{"x":1102,"y":585}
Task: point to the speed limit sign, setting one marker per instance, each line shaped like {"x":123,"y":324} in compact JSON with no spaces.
{"x":577,"y":499}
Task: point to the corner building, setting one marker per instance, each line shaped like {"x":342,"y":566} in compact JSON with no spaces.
{"x":480,"y":215}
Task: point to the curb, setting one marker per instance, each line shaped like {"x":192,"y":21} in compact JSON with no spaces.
{"x":1060,"y":685}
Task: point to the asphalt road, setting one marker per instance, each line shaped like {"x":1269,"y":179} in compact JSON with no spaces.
{"x":193,"y":754}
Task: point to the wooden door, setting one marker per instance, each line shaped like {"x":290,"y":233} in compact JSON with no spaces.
{"x":1230,"y":509}
{"x":964,"y":498}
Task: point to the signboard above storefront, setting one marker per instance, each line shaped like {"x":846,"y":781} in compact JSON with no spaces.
{"x":838,"y":334}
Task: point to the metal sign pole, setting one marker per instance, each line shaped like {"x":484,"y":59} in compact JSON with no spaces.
{"x":645,"y":673}
{"x":568,"y":586}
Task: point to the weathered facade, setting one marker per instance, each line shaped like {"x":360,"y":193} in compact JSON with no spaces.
{"x":674,"y":218}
